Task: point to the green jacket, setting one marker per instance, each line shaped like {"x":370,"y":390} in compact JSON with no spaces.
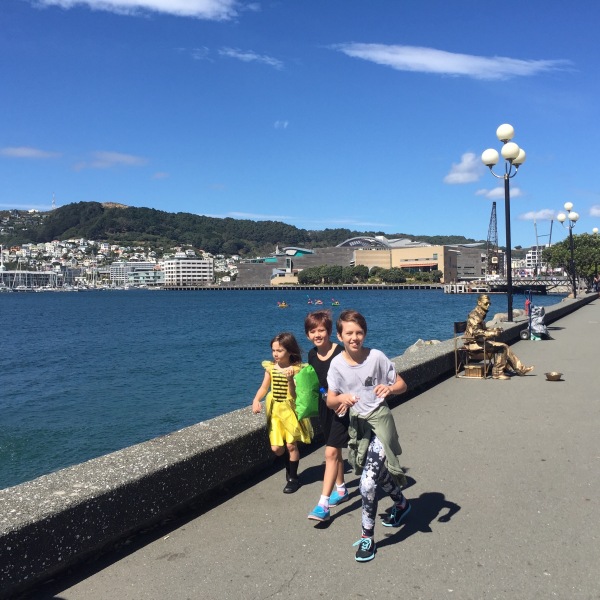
{"x":381,"y":423}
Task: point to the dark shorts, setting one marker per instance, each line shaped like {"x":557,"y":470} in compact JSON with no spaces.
{"x":335,"y":429}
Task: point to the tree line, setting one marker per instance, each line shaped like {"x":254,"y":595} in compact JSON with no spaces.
{"x":336,"y":275}
{"x":586,"y":254}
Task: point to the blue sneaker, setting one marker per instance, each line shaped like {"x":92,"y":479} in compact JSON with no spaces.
{"x":366,"y":549}
{"x":396,"y":516}
{"x":319,"y":513}
{"x":336,"y":499}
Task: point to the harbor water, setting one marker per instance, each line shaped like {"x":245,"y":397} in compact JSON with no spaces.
{"x":83,"y":374}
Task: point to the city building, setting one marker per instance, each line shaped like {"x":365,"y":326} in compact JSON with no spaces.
{"x":145,"y":274}
{"x":188,"y":272}
{"x":533,"y":260}
{"x":471,"y":261}
{"x":121,"y":271}
{"x":412,"y":259}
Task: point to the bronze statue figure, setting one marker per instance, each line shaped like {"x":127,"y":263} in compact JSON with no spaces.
{"x":475,"y":333}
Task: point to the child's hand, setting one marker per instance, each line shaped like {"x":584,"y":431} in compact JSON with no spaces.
{"x":346,"y":402}
{"x":381,"y":391}
{"x":289,"y":373}
{"x":256,"y":406}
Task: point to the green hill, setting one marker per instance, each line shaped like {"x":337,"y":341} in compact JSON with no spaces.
{"x":132,"y":226}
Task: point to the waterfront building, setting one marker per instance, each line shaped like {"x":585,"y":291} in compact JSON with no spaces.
{"x":119,"y":273}
{"x":122,"y":271}
{"x":380,"y":242}
{"x":472,"y":259}
{"x":29,"y":280}
{"x":412,"y":259}
{"x":533,"y":259}
{"x":188,"y":272}
{"x":146,"y":275}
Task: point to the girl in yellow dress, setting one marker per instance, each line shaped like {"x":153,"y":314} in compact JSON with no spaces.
{"x":283,"y":426}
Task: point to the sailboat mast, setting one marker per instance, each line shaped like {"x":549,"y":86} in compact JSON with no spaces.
{"x":537,"y":247}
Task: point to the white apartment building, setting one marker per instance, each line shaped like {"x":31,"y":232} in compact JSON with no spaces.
{"x":188,"y":272}
{"x":120,"y":271}
{"x":533,"y":258}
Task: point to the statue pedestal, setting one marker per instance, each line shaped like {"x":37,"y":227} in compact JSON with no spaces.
{"x":475,"y":371}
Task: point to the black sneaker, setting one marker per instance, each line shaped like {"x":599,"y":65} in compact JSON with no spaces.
{"x":366,"y":549}
{"x":396,"y":516}
{"x":291,"y":486}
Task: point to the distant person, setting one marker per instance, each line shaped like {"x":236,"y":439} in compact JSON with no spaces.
{"x":597,"y":283}
{"x":360,"y":379}
{"x":476,"y":331}
{"x":285,"y":431}
{"x":318,"y":327}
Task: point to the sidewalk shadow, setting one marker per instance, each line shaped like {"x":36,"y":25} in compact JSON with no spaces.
{"x":424,"y":511}
{"x":312,"y":474}
{"x":315,"y":473}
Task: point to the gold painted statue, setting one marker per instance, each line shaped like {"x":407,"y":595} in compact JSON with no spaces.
{"x":476,"y":331}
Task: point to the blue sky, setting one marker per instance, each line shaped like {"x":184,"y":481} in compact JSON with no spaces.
{"x":319,"y":113}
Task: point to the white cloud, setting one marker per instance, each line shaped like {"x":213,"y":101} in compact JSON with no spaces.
{"x":430,"y":60}
{"x":468,"y":170}
{"x":595,"y":211}
{"x":251,"y":56}
{"x":281,"y":124}
{"x":546,"y":214}
{"x":201,"y":53}
{"x":214,"y":10}
{"x":498,"y":193}
{"x":26,"y":152}
{"x":107,"y":160}
{"x":160,"y":175}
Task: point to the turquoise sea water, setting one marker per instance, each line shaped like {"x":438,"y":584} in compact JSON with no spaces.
{"x":84,"y":374}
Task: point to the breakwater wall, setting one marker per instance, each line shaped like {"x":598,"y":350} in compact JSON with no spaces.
{"x":57,"y":521}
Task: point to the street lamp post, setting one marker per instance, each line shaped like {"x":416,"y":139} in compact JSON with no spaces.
{"x":513,"y":157}
{"x":573,"y":217}
{"x":597,"y":287}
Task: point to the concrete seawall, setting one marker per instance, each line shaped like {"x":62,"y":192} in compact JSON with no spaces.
{"x":56,"y":521}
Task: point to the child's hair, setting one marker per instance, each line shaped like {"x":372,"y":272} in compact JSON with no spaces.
{"x":316,"y":318}
{"x":288,"y":341}
{"x":351,"y":316}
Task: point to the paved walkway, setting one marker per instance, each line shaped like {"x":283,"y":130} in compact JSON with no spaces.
{"x":505,"y":505}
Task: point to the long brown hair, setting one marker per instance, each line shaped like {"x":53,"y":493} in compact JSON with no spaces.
{"x":288,"y":341}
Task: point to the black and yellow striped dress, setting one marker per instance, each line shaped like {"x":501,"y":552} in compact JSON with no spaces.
{"x":283,"y":425}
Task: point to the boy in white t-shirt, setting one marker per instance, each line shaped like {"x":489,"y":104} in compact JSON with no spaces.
{"x":360,"y":379}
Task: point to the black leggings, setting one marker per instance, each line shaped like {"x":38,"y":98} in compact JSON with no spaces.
{"x":374,"y":475}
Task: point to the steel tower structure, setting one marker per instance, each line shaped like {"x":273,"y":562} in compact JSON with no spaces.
{"x":493,"y":265}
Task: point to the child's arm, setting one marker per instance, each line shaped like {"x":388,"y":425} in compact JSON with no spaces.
{"x":340,"y":402}
{"x":262,"y":392}
{"x":398,"y":387}
{"x":289,"y":373}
